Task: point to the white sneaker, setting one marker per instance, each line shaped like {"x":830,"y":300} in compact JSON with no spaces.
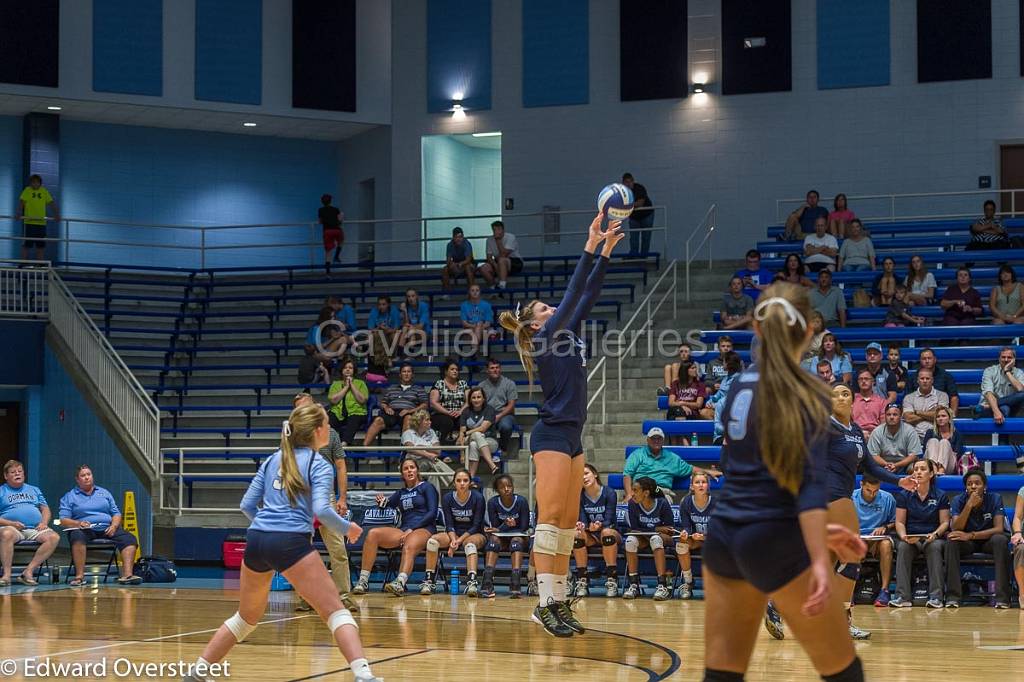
{"x":361,"y":586}
{"x":426,"y":588}
{"x":611,"y":588}
{"x":858,"y":633}
{"x":662,"y":593}
{"x":632,"y":592}
{"x":685,"y":591}
{"x":395,"y":587}
{"x":531,"y":588}
{"x":581,"y":589}
{"x":472,"y":588}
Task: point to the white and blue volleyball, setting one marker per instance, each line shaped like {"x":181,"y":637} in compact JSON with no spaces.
{"x":615,"y":201}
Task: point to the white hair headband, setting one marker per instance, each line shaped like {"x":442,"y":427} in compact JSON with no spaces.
{"x":793,"y":315}
{"x":518,"y":306}
{"x":286,"y":428}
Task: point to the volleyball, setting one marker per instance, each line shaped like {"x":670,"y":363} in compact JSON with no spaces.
{"x":615,"y":201}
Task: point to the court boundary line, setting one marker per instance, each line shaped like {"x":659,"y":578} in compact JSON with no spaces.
{"x":341,"y":670}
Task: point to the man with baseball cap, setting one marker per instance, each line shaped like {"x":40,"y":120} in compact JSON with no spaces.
{"x":653,"y":461}
{"x":886,"y":384}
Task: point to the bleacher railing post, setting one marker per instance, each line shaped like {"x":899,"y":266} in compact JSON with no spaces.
{"x":181,"y":480}
{"x":202,"y":248}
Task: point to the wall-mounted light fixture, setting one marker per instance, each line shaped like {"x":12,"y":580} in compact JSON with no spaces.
{"x":458,"y":112}
{"x":53,"y":107}
{"x":698,"y":88}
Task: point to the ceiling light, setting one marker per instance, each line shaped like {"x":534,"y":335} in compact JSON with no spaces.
{"x":497,"y":134}
{"x":249,"y":124}
{"x":53,"y":107}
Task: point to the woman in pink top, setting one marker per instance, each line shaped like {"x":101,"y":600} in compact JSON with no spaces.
{"x":840,"y":217}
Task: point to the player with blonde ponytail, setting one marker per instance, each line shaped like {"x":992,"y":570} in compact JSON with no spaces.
{"x":291,"y":487}
{"x":549,"y":345}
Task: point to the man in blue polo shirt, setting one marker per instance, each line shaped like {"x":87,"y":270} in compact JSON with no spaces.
{"x":876,"y":512}
{"x":93,"y":513}
{"x":977,"y":525}
{"x":755,"y":278}
{"x":24,"y":515}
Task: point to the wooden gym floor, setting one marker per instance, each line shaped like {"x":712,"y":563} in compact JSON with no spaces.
{"x":440,"y":638}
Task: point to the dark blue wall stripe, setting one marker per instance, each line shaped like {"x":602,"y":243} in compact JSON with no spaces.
{"x":229,"y":50}
{"x":853,"y":43}
{"x":127,"y":46}
{"x":458,"y":53}
{"x":556,"y":38}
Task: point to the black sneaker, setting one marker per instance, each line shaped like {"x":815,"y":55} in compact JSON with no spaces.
{"x":547,"y":617}
{"x":565,"y":614}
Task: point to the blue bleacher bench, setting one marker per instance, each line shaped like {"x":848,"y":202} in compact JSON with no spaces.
{"x":883,"y":334}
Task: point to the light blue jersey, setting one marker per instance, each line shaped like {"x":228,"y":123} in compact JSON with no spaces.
{"x":97,"y":507}
{"x":879,"y":512}
{"x":22,"y":504}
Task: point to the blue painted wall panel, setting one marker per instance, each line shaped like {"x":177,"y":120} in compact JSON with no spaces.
{"x":853,"y":43}
{"x":556,"y":38}
{"x":229,"y":50}
{"x":458,"y":53}
{"x":127,"y":46}
{"x":11,"y":182}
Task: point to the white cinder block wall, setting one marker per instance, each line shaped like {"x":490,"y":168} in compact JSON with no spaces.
{"x":741,"y":152}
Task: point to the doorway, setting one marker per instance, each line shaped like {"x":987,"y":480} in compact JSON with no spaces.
{"x":461,"y":176}
{"x":10,"y":433}
{"x":367,"y":232}
{"x":1011,"y":176}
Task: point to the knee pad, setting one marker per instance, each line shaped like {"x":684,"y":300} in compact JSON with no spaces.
{"x":239,"y":628}
{"x":545,"y":539}
{"x":849,"y":571}
{"x":656,"y":542}
{"x":632,"y":544}
{"x":339,"y":618}
{"x":609,"y":540}
{"x":433,"y":545}
{"x":469,"y":548}
{"x":682,"y":549}
{"x":579,"y":543}
{"x":566,"y":538}
{"x":492,"y":545}
{"x":515,"y":545}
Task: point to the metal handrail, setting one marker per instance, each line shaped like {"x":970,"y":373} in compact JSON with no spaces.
{"x":645,"y":305}
{"x":706,"y":227}
{"x":780,"y":217}
{"x":601,"y":391}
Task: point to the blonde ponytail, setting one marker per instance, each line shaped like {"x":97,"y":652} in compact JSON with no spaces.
{"x":781,"y":316}
{"x":298,"y":431}
{"x":519,"y":324}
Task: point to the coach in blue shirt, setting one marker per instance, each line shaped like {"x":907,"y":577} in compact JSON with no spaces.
{"x":977,"y":525}
{"x":24,"y":515}
{"x":94,"y":515}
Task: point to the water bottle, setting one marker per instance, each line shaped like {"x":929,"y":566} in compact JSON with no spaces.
{"x":693,"y":439}
{"x":453,"y":582}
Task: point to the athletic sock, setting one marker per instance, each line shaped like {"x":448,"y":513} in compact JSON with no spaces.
{"x":403,"y":578}
{"x":661,"y":579}
{"x":634,"y":579}
{"x":581,"y":573}
{"x":471,"y":575}
{"x":852,"y":673}
{"x":545,"y":588}
{"x":611,"y":571}
{"x":364,"y":576}
{"x":361,"y":669}
{"x":688,"y":577}
{"x":489,"y":575}
{"x":429,"y":577}
{"x":559,"y":588}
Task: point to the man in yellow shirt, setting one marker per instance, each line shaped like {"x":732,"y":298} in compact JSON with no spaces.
{"x":32,"y":208}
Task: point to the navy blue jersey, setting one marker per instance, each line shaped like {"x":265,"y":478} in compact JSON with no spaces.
{"x":648,"y":520}
{"x":417,"y":505}
{"x":750,"y":493}
{"x":983,"y":516}
{"x":922,"y":515}
{"x":694,"y":519}
{"x":602,"y":509}
{"x":847,"y":452}
{"x":498,"y":514}
{"x":465,"y":518}
{"x":561,"y":355}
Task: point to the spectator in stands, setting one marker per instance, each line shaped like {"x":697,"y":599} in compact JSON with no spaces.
{"x":714,"y":404}
{"x":802,"y":220}
{"x":755,"y":278}
{"x":868,"y":406}
{"x":458,"y":260}
{"x":920,"y":283}
{"x":24,"y":515}
{"x":898,"y":314}
{"x":449,"y":398}
{"x":942,"y":380}
{"x":988,"y":232}
{"x":476,"y":429}
{"x":324,"y":340}
{"x":1017,"y":541}
{"x":818,"y":327}
{"x":737,"y":307}
{"x":344,"y":316}
{"x":962,"y":302}
{"x":502,"y":395}
{"x":417,"y":503}
{"x":653,"y":461}
{"x":385,"y":318}
{"x":977,"y":525}
{"x":794,"y":272}
{"x":641,"y":219}
{"x":477,"y":317}
{"x":885,"y":384}
{"x":348,"y":396}
{"x":94,"y":515}
{"x":920,"y":406}
{"x":32,"y":209}
{"x":671,"y":370}
{"x":841,"y":218}
{"x":943,"y":444}
{"x":876,"y":513}
{"x":378,"y":360}
{"x":824,"y":371}
{"x":857,"y":254}
{"x":1002,"y":388}
{"x":650,"y":523}
{"x":415,"y":317}
{"x":428,"y":456}
{"x":686,"y":395}
{"x":832,"y":351}
{"x":922,"y":518}
{"x":820,"y":248}
{"x":884,"y":286}
{"x":330,"y":218}
{"x":895,"y":444}
{"x":896,"y":368}
{"x":716,"y":368}
{"x":397,"y":404}
{"x":1007,"y":298}
{"x":503,"y":257}
{"x":829,"y":300}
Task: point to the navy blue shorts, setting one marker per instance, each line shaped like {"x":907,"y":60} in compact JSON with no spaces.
{"x":121,"y":538}
{"x":766,"y":554}
{"x":271,"y":551}
{"x":567,"y":438}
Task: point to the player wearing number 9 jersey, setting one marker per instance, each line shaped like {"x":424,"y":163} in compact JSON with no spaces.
{"x":769,"y":536}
